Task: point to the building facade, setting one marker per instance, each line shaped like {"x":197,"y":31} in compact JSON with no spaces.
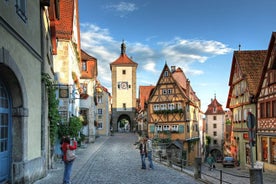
{"x":215,"y":121}
{"x":266,"y":119}
{"x":25,"y":56}
{"x":173,"y":112}
{"x":88,"y":108}
{"x":123,"y":75}
{"x":244,"y":79}
{"x":103,"y":111}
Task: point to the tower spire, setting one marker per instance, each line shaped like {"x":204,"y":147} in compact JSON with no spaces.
{"x":123,"y":48}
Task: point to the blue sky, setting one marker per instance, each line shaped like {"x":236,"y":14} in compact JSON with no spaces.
{"x":197,"y":35}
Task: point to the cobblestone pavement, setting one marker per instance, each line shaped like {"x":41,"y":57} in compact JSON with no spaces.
{"x":115,"y":160}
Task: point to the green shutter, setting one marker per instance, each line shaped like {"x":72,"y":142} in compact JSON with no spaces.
{"x":151,"y":128}
{"x":181,"y":128}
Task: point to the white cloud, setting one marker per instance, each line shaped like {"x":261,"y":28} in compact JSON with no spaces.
{"x":123,"y":8}
{"x":99,"y":43}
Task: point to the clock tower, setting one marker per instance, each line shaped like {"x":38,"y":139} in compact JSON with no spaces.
{"x":123,"y":75}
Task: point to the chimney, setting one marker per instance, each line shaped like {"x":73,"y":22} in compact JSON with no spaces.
{"x":172,"y":69}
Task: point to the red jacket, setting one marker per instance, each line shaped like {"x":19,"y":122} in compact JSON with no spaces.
{"x":64,"y":147}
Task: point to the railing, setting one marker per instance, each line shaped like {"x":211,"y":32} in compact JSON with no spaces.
{"x":213,"y":175}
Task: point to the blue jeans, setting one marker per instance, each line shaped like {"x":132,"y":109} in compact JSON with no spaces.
{"x":143,"y":159}
{"x":150,"y":159}
{"x":67,"y":172}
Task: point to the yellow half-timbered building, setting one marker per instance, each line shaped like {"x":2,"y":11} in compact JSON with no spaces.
{"x":173,"y":111}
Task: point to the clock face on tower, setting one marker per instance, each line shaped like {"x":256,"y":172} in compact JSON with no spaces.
{"x":124,"y":85}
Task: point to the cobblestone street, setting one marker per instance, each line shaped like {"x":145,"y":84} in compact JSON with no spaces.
{"x":115,"y":160}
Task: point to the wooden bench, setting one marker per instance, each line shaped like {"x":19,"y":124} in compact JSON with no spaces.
{"x":259,"y":164}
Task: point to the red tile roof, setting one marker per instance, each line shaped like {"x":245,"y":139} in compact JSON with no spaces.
{"x":214,"y":105}
{"x":144,"y":94}
{"x":182,"y":80}
{"x":250,"y":64}
{"x":64,"y":26}
{"x":123,"y":59}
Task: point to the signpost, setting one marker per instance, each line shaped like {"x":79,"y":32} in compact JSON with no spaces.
{"x":251,"y":122}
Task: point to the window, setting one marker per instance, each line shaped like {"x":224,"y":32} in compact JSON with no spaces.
{"x":166,"y":74}
{"x":100,"y":111}
{"x":170,"y":106}
{"x":124,"y":72}
{"x":274,"y":108}
{"x":84,"y":88}
{"x":21,"y":9}
{"x":174,"y":127}
{"x":124,"y":106}
{"x":164,"y":91}
{"x":169,"y":91}
{"x":188,"y":129}
{"x":267,"y":110}
{"x":271,"y":76}
{"x":215,"y":141}
{"x":84,"y":66}
{"x":214,"y":133}
{"x":178,"y":106}
{"x":100,"y":117}
{"x":159,"y":128}
{"x":214,"y":117}
{"x":166,"y":127}
{"x":155,"y":107}
{"x":214,"y":125}
{"x":262,"y":110}
{"x":214,"y":109}
{"x":100,"y":99}
{"x":163,"y":106}
{"x":63,"y":116}
{"x":100,"y":125}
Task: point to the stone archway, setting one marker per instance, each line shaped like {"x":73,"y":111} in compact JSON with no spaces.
{"x":124,"y":123}
{"x":14,"y":83}
{"x":216,"y":154}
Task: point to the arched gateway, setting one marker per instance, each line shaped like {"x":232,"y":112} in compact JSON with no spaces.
{"x":123,"y":75}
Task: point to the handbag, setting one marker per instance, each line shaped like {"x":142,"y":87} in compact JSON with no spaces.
{"x":70,"y":155}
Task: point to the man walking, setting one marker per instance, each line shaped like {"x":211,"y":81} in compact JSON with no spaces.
{"x":149,"y":152}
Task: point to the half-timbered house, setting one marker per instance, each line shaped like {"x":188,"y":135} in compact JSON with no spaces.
{"x":244,"y":79}
{"x":266,"y":132}
{"x":173,"y":111}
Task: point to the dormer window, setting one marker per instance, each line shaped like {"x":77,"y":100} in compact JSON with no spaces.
{"x":84,"y":66}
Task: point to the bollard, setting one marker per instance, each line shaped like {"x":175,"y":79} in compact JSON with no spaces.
{"x":256,"y":175}
{"x":197,"y":168}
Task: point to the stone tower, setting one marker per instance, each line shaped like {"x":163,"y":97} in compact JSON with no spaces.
{"x":123,"y":75}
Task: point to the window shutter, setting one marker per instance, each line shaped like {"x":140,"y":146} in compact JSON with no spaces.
{"x":152,"y":128}
{"x":181,"y":128}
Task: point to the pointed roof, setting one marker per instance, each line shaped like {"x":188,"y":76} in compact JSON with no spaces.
{"x":250,"y":64}
{"x":123,"y":58}
{"x":184,"y":83}
{"x":214,"y":107}
{"x":272,"y":44}
{"x":144,"y":94}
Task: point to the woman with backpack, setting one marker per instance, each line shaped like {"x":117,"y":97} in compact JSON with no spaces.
{"x":66,"y":148}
